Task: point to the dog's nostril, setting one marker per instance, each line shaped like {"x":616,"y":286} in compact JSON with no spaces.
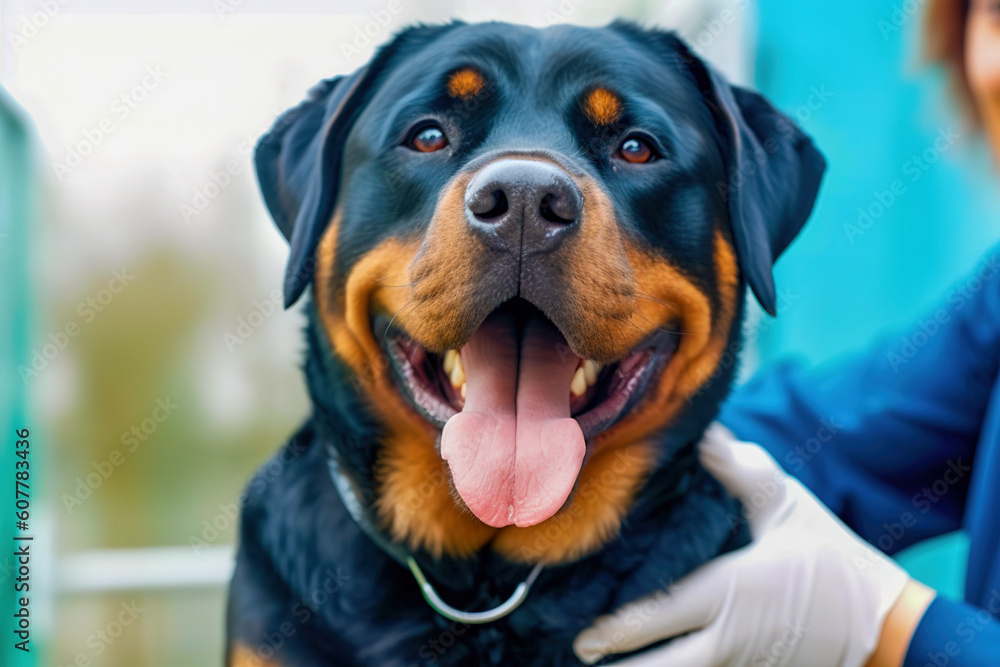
{"x":558,"y":209}
{"x":488,"y":205}
{"x":525,"y":205}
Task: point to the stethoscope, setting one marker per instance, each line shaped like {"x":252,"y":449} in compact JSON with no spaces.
{"x":345,"y":489}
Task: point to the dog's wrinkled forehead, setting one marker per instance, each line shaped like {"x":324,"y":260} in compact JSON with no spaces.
{"x":516,"y":81}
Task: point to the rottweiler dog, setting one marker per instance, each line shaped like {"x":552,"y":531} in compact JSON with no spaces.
{"x":528,"y":252}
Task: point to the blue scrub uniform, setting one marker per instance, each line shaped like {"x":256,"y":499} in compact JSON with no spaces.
{"x":903,"y":443}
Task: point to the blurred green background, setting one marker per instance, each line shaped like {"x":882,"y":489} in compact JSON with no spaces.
{"x":146,"y":237}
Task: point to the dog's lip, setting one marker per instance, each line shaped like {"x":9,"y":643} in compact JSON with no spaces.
{"x":620,"y":387}
{"x":632,"y":377}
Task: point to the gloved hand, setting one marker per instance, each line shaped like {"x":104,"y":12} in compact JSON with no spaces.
{"x":807,"y":592}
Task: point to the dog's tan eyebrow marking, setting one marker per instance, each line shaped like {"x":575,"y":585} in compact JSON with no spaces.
{"x":465,"y":83}
{"x":602,"y":106}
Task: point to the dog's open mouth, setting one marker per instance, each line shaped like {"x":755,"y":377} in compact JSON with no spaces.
{"x":516,"y":407}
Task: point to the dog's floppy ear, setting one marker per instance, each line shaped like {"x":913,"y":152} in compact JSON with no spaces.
{"x":773,"y":170}
{"x":774,"y":173}
{"x":297,"y":164}
{"x":298,"y":160}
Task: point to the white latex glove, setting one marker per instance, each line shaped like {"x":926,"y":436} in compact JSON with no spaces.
{"x":807,"y":591}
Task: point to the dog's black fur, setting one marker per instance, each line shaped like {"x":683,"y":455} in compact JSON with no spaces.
{"x":310,"y":587}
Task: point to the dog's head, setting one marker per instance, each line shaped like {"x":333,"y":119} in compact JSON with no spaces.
{"x":529,"y":250}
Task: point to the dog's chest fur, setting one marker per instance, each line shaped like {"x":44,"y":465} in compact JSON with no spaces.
{"x":349,"y":603}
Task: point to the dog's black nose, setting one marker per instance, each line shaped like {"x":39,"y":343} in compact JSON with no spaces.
{"x":526,"y":204}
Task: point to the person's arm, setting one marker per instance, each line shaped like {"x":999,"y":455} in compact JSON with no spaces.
{"x":901,"y":624}
{"x":955,"y":634}
{"x":886,"y":440}
{"x":922,"y":630}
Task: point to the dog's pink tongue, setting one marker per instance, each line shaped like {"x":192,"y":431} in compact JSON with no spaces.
{"x":514,"y":451}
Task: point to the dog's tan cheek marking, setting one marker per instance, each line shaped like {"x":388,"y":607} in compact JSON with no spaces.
{"x":602,"y":106}
{"x":465,"y":83}
{"x":375,"y":283}
{"x":704,"y":367}
{"x":599,"y":281}
{"x":244,"y":656}
{"x":449,"y":260}
{"x":702,"y":342}
{"x":413,"y":489}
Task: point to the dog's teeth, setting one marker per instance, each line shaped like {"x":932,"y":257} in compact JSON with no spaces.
{"x":463,"y":391}
{"x":591,"y":369}
{"x":449,"y":361}
{"x":579,"y":384}
{"x":457,"y":373}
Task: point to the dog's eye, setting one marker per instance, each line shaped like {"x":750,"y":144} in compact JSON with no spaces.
{"x":636,"y":150}
{"x":429,"y":139}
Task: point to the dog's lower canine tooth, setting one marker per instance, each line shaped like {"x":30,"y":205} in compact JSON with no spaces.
{"x":579,"y":384}
{"x":463,"y":391}
{"x":449,"y":361}
{"x":457,"y":373}
{"x":590,"y":370}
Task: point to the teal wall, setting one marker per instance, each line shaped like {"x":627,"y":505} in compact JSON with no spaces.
{"x":15,"y":211}
{"x":881,"y":110}
{"x":850,"y":73}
